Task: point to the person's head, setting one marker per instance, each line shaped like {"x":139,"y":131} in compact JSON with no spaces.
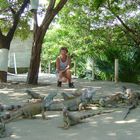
{"x":63,"y":51}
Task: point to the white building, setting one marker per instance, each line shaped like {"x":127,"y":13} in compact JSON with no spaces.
{"x":20,"y":53}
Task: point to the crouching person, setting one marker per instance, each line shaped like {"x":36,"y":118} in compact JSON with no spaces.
{"x":63,"y":62}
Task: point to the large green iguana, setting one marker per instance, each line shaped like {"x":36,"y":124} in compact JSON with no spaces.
{"x":57,"y":105}
{"x":34,"y":95}
{"x":125,"y":97}
{"x":112,"y":100}
{"x":132,"y":100}
{"x":3,"y":131}
{"x":73,"y":103}
{"x":29,"y":110}
{"x":70,"y":118}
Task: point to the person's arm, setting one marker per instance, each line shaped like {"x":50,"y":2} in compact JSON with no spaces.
{"x":58,"y":64}
{"x":69,"y":63}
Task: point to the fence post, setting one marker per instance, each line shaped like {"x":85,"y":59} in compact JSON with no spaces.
{"x":116,"y":70}
{"x":49,"y":66}
{"x":15,"y":63}
{"x":93,"y":69}
{"x":40,"y":69}
{"x":74,"y":67}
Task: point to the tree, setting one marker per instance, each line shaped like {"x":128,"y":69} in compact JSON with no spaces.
{"x":98,"y":33}
{"x":53,"y":8}
{"x":123,"y":10}
{"x":11,"y":12}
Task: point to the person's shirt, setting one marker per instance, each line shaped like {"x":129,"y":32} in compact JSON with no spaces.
{"x":63,"y":65}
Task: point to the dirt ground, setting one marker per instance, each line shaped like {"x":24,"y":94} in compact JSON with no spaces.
{"x":102,"y":127}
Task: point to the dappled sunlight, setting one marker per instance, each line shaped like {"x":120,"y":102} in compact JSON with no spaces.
{"x":14,"y":136}
{"x":48,"y":116}
{"x":58,"y":100}
{"x":69,"y":89}
{"x":129,"y":132}
{"x":93,"y":123}
{"x":15,"y":94}
{"x":9,"y":96}
{"x":126,"y":121}
{"x":118,"y":111}
{"x":108,"y":118}
{"x":69,"y":134}
{"x":53,"y":116}
{"x":5,"y":91}
{"x":112,"y":134}
{"x":95,"y":87}
{"x":82,"y":89}
{"x":94,"y":107}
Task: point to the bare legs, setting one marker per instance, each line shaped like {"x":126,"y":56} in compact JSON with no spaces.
{"x":67,"y":75}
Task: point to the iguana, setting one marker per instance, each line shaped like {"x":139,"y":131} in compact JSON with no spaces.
{"x":112,"y":100}
{"x":34,"y":95}
{"x":79,"y":102}
{"x":70,"y":118}
{"x":128,"y":91}
{"x":72,"y":102}
{"x":132,"y":101}
{"x":87,"y":92}
{"x":3,"y":132}
{"x":29,"y":110}
{"x":67,"y":96}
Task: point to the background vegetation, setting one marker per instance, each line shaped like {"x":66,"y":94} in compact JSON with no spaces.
{"x":103,"y":34}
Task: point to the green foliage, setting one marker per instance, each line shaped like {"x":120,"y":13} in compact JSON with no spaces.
{"x":129,"y":67}
{"x":99,"y":35}
{"x":98,"y":3}
{"x":6,"y":18}
{"x":4,"y":4}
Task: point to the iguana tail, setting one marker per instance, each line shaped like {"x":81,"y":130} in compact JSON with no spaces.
{"x":95,"y":113}
{"x":128,"y":110}
{"x":8,"y":117}
{"x":9,"y":107}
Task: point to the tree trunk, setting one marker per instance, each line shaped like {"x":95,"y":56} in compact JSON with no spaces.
{"x":3,"y":76}
{"x":5,"y":40}
{"x":39,"y":33}
{"x":4,"y":51}
{"x":34,"y":63}
{"x":36,"y":52}
{"x":35,"y":55}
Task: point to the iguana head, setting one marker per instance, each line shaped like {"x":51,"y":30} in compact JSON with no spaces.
{"x":65,"y":111}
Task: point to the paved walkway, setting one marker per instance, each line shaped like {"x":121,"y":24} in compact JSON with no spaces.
{"x":103,"y":127}
{"x":42,"y":77}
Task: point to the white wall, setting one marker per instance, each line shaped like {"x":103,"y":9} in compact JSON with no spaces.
{"x":22,"y":50}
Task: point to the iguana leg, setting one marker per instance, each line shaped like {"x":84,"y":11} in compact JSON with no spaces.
{"x":82,"y":106}
{"x":66,"y":125}
{"x":2,"y":129}
{"x":43,"y":115}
